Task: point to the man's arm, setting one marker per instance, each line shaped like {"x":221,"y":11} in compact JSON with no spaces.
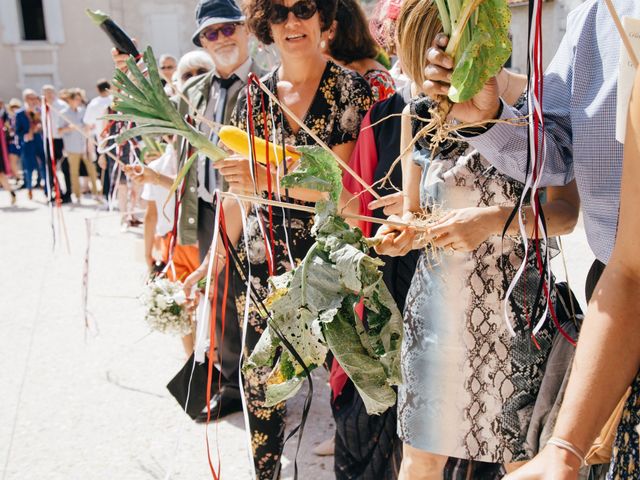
{"x":22,"y":124}
{"x":608,"y":354}
{"x":505,"y":145}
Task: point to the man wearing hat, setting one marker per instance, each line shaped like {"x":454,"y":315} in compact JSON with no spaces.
{"x":222,"y":33}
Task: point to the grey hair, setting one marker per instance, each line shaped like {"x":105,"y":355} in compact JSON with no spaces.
{"x":166,"y":56}
{"x":192,"y":60}
{"x":27,"y":92}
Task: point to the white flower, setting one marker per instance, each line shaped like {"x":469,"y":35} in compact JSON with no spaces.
{"x":161,"y":297}
{"x":350,"y":120}
{"x":161,"y":301}
{"x":179,"y":297}
{"x":257,"y":251}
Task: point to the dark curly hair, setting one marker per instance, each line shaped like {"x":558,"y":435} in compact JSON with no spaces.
{"x":258,"y":13}
{"x":353,"y":40}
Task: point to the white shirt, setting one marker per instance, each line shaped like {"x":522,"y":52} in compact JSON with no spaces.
{"x":96,"y":109}
{"x":242,"y":72}
{"x":167,"y":164}
{"x":56,"y":121}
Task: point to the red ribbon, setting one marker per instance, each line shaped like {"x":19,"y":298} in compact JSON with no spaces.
{"x":52,"y":155}
{"x":5,"y":150}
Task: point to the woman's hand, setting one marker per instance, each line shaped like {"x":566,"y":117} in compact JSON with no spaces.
{"x":120,"y":59}
{"x":189,"y":286}
{"x":484,"y":106}
{"x":552,"y":463}
{"x":464,"y":229}
{"x":390,"y":204}
{"x":396,"y":241}
{"x":237,"y":172}
{"x":139,"y":174}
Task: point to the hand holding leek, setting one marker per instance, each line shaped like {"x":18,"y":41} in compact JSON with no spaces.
{"x":464,"y":66}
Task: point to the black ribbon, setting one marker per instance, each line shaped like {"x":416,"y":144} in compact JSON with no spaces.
{"x":238,"y":266}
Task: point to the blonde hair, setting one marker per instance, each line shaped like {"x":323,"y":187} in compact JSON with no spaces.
{"x":418,"y":25}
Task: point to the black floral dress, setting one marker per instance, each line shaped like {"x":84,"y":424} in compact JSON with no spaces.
{"x":335,"y":114}
{"x":626,"y":449}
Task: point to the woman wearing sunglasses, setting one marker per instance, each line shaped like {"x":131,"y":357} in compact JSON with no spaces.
{"x":332,"y":102}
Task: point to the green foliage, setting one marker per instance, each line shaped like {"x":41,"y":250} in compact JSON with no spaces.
{"x":142,"y":100}
{"x":313,"y":307}
{"x":483,"y":44}
{"x":318,"y":170}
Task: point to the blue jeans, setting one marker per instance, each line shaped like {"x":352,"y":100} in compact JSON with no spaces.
{"x":32,"y":156}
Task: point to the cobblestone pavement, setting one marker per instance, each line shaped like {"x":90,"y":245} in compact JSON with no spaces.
{"x":80,"y":404}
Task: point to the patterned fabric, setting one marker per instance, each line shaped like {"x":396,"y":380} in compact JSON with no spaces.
{"x":340,"y":103}
{"x":626,"y":449}
{"x":381,"y":83}
{"x":580,"y":92}
{"x":469,"y":386}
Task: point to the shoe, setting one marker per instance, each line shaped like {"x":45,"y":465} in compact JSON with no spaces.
{"x":13,"y":198}
{"x":221,"y":406}
{"x":134,"y":222}
{"x":30,"y":194}
{"x":326,"y":448}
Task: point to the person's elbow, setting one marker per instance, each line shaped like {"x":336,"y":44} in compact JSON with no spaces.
{"x":569,"y":221}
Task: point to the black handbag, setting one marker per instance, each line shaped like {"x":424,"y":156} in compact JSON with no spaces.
{"x":196,"y":374}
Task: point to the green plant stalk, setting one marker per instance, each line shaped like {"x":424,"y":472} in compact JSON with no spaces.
{"x":142,"y":100}
{"x":454,"y":12}
{"x":443,"y":11}
{"x":457,"y":36}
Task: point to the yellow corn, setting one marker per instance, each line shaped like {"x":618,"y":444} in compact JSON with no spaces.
{"x":237,"y":140}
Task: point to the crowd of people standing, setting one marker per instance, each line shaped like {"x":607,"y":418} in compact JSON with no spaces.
{"x":477,"y":400}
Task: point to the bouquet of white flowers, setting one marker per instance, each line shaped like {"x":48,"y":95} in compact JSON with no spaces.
{"x":165,"y":301}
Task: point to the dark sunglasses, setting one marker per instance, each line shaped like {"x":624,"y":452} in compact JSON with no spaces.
{"x":228,"y":29}
{"x":304,"y":10}
{"x":193,"y":73}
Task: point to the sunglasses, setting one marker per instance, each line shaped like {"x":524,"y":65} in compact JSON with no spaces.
{"x":303,"y":10}
{"x":193,"y":73}
{"x":228,"y":29}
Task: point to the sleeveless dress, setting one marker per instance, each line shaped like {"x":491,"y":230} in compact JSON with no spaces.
{"x":469,"y":386}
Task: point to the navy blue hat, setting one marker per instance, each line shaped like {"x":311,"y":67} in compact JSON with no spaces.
{"x":210,"y":12}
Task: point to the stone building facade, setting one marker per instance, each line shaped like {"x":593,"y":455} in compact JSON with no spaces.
{"x":53,"y":41}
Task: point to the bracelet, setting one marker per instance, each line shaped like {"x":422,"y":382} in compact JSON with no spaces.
{"x":569,"y":447}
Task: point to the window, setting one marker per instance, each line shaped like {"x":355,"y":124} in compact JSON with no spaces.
{"x":33,"y":27}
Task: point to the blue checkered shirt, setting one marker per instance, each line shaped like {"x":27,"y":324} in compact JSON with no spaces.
{"x":579,"y":105}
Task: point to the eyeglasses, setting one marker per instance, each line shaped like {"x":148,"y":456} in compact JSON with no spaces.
{"x":168,"y":67}
{"x":228,"y":29}
{"x":193,"y":73}
{"x":304,"y":10}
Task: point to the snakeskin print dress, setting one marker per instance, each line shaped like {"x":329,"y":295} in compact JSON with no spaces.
{"x":469,"y":386}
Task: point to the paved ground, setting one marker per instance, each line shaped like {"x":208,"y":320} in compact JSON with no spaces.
{"x":93,"y":405}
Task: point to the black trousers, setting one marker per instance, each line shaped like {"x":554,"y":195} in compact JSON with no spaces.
{"x":595,"y":272}
{"x":58,"y":146}
{"x":228,"y":342}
